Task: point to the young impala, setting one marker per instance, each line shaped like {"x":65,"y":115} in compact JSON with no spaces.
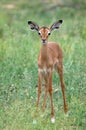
{"x":49,"y":59}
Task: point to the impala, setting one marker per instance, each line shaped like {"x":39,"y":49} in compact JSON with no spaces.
{"x":49,"y":59}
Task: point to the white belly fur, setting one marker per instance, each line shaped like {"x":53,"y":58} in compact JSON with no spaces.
{"x":47,"y":70}
{"x":44,"y":70}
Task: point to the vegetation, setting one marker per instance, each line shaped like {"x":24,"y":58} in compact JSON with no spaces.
{"x":19,"y":48}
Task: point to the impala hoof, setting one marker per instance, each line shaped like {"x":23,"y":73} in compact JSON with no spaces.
{"x":53,"y":120}
{"x":67,"y":114}
{"x":42,"y":115}
{"x":34,"y":121}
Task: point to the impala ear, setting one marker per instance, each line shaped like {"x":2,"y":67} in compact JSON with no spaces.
{"x":33,"y":25}
{"x":56,"y":25}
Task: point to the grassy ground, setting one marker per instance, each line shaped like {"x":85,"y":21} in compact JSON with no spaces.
{"x":19,"y":48}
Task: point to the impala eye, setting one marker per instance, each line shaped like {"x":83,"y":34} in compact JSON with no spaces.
{"x":39,"y":33}
{"x":49,"y":33}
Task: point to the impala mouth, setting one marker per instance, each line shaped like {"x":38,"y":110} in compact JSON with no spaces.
{"x":44,"y":41}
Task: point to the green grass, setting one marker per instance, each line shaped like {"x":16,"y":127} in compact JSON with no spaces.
{"x":19,"y":48}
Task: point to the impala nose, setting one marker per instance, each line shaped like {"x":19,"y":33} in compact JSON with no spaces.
{"x":43,"y":40}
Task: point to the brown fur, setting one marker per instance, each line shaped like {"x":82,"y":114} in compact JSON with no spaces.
{"x":49,"y":59}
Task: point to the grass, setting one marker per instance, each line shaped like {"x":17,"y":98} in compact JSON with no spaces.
{"x":19,"y":48}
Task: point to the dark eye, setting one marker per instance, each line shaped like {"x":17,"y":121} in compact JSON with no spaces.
{"x":39,"y":33}
{"x":49,"y":33}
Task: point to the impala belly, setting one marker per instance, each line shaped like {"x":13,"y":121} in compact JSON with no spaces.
{"x":44,"y":70}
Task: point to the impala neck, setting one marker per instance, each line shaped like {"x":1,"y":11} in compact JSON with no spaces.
{"x":44,"y":52}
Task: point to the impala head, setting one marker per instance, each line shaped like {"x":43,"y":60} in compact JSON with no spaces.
{"x":44,"y":32}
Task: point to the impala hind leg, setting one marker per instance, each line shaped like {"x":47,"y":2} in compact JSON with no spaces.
{"x":60,"y":72}
{"x":39,"y":87}
{"x":38,"y":96}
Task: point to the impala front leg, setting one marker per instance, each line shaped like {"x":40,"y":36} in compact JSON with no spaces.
{"x":45,"y":95}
